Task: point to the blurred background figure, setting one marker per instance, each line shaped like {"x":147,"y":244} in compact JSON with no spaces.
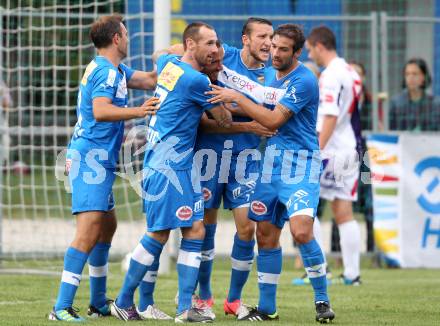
{"x":365,"y":99}
{"x":364,"y":205}
{"x":414,"y":109}
{"x":5,"y":103}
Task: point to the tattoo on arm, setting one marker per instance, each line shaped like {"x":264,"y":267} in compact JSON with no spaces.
{"x":284,"y":111}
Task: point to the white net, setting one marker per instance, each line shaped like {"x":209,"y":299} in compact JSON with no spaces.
{"x":44,"y":49}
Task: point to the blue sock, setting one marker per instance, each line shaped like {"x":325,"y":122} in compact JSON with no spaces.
{"x":269,"y":263}
{"x":314,"y":264}
{"x":74,"y":261}
{"x":242,"y":257}
{"x":188,"y":263}
{"x":207,"y":260}
{"x":141,"y":260}
{"x":146,"y":288}
{"x":98,"y":269}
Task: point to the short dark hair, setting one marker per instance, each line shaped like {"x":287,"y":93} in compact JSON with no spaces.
{"x":192,"y":31}
{"x":323,"y":35}
{"x":103,"y":30}
{"x":423,"y":66}
{"x":294,"y":32}
{"x":360,"y":65}
{"x":251,"y":20}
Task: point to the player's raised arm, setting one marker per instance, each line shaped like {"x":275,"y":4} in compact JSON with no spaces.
{"x":269,"y":119}
{"x":104,"y":110}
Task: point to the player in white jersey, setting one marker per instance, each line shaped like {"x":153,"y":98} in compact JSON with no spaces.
{"x":338,"y":126}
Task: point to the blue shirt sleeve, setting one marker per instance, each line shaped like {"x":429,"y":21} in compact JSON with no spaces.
{"x":163,"y":60}
{"x":104,"y":83}
{"x":299,"y":93}
{"x":199,"y":86}
{"x":128,"y":71}
{"x":229,"y":50}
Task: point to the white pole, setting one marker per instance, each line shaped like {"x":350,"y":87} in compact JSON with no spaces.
{"x":162,"y":38}
{"x":162,"y":24}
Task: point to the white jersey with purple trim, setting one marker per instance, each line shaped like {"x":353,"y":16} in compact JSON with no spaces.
{"x":339,"y":89}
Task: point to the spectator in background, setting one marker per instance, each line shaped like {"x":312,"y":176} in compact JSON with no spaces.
{"x":5,"y":96}
{"x":364,"y":204}
{"x":413,"y":109}
{"x":5,"y":103}
{"x":365,"y":99}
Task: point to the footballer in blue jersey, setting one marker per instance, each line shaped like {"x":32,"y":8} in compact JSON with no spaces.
{"x":235,"y":173}
{"x":171,"y":191}
{"x":288,"y":187}
{"x":91,"y":162}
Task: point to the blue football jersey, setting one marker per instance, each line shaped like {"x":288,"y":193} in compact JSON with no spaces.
{"x":299,"y":92}
{"x":101,"y":79}
{"x":250,"y":82}
{"x":172,"y":131}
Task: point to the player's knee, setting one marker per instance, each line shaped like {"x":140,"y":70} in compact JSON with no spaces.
{"x":196,"y":231}
{"x":85,"y":241}
{"x":265,"y":239}
{"x":160,"y":236}
{"x":302,"y":236}
{"x":246,"y":232}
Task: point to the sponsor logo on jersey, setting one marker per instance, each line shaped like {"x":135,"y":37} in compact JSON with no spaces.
{"x":271,"y":96}
{"x":258,"y":207}
{"x":169,"y":76}
{"x":239,"y":82}
{"x":207,"y":194}
{"x":184,"y":213}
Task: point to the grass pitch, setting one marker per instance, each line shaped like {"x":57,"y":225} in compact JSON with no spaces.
{"x":387,"y":297}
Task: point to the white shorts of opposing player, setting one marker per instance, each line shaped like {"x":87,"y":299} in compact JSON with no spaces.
{"x":340,"y":176}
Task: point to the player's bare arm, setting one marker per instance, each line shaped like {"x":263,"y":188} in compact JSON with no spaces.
{"x":235,"y":110}
{"x":269,"y":119}
{"x":173,"y":49}
{"x":328,"y":126}
{"x":104,"y":110}
{"x":222,"y":116}
{"x":143,"y":80}
{"x":211,"y":127}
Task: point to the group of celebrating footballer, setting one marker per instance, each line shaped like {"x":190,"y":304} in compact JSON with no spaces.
{"x":244,"y":99}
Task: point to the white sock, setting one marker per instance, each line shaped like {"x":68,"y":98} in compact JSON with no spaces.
{"x":350,"y":235}
{"x":317,"y":233}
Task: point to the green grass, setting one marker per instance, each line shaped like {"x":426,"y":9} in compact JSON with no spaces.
{"x":387,"y":297}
